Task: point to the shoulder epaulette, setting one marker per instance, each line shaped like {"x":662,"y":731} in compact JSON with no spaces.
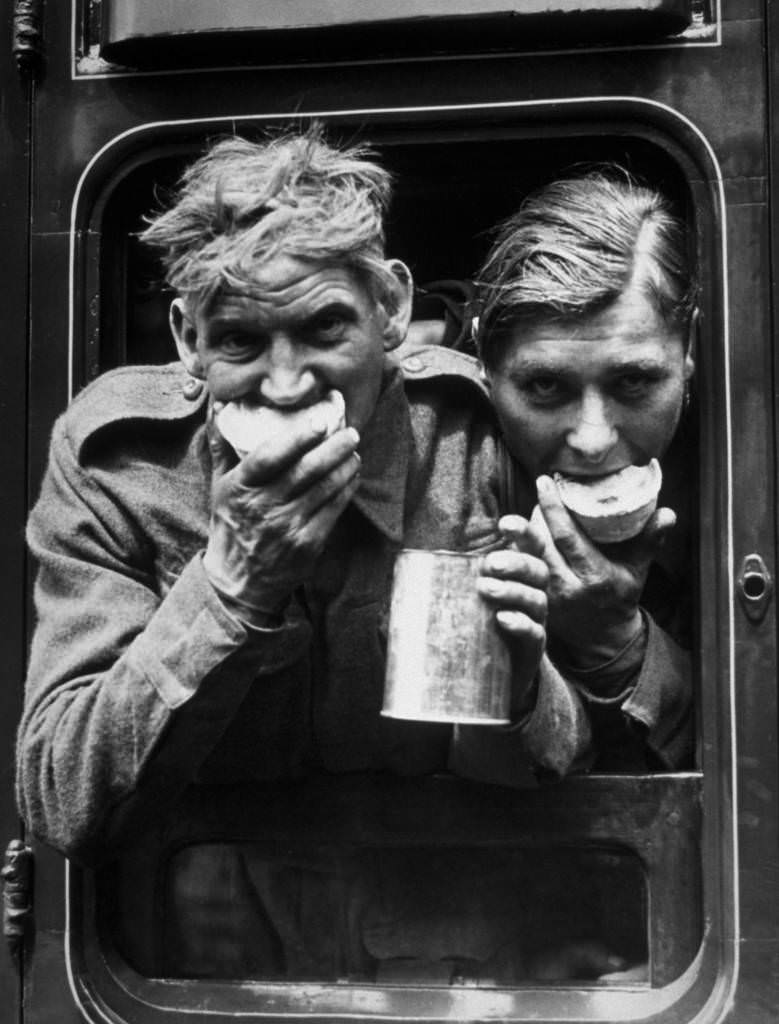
{"x":426,"y":362}
{"x":163,"y":393}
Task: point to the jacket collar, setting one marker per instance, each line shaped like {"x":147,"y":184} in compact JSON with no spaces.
{"x":385,"y":447}
{"x":168,"y":393}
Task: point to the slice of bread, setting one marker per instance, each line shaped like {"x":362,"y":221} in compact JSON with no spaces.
{"x":246,"y":426}
{"x":612,"y":508}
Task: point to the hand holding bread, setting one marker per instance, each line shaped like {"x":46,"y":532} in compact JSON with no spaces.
{"x":593,"y":592}
{"x":272,"y":513}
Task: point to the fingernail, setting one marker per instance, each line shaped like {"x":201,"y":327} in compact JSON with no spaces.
{"x":498,"y":560}
{"x":544,"y":484}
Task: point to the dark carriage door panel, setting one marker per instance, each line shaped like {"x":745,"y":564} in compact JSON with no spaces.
{"x":17,"y":88}
{"x":117,"y":315}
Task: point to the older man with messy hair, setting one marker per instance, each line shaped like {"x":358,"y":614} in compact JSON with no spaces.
{"x":209,"y":618}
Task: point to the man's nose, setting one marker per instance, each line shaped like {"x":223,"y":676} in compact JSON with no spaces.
{"x":593,"y":435}
{"x":287,"y":378}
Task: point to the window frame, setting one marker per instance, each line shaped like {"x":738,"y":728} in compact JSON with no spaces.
{"x":713,"y":973}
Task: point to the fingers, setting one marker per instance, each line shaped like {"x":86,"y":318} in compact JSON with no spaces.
{"x":338,"y":450}
{"x":575,"y":547}
{"x":319,"y":486}
{"x":510,"y":595}
{"x":314,"y":523}
{"x":287,"y":475}
{"x":523,"y":629}
{"x":522,"y":534}
{"x":508,"y":564}
{"x":259,"y":548}
{"x":285,"y":448}
{"x":514,"y":583}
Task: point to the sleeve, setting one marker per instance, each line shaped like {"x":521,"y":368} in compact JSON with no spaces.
{"x":126,"y":692}
{"x":647,"y":724}
{"x":553,"y":740}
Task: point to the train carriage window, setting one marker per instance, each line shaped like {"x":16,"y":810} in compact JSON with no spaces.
{"x":422,"y":887}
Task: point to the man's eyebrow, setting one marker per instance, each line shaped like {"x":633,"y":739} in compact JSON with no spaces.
{"x":529,"y":366}
{"x":329,"y":307}
{"x":638,"y":363}
{"x":226,"y":320}
{"x":332,"y":305}
{"x":536,"y":364}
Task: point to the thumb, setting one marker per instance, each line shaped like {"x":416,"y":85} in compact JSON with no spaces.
{"x":656,"y":531}
{"x":639,"y":553}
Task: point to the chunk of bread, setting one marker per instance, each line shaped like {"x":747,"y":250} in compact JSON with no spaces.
{"x":612,"y":508}
{"x":245,"y":425}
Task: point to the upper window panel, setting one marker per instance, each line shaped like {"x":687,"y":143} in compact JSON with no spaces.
{"x":179,"y":32}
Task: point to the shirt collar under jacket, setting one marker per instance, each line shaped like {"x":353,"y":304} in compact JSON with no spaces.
{"x":385,"y":446}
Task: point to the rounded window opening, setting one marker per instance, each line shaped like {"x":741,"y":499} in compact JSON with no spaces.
{"x":364,"y":908}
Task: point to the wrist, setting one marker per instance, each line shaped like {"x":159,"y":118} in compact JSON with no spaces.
{"x":251,"y":617}
{"x":607,"y":680}
{"x":604,"y":646}
{"x":258,"y":610}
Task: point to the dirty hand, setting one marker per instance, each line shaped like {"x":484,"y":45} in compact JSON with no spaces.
{"x":514,"y":580}
{"x":593,"y":592}
{"x":272,"y":513}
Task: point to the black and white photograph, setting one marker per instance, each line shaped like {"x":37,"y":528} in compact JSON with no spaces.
{"x":389,"y":451}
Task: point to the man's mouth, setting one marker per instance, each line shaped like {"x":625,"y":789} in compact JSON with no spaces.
{"x":587,"y":476}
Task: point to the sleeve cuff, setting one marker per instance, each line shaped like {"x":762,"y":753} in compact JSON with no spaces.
{"x":556,"y":733}
{"x":661,"y":699}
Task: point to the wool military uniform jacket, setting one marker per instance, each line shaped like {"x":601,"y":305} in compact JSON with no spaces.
{"x":141,"y":683}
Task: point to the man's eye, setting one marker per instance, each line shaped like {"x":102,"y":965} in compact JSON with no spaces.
{"x":545,"y":389}
{"x":328,"y":328}
{"x":236,"y":345}
{"x":634,"y":385}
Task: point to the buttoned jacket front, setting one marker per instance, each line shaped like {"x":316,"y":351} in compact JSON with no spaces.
{"x":141,"y":683}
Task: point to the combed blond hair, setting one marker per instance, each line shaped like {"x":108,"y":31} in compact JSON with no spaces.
{"x":574,"y":246}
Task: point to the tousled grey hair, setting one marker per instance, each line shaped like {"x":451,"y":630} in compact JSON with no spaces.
{"x":243,"y":203}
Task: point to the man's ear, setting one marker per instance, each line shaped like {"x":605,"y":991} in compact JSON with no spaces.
{"x":185,"y":335}
{"x":396,"y":304}
{"x":692,"y":343}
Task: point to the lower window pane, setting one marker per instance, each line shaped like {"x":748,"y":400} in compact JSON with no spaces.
{"x":433,"y":915}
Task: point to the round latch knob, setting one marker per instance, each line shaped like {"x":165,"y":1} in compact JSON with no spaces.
{"x":755,"y":587}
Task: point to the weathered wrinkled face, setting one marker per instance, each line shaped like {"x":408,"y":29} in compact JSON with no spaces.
{"x":300,"y":331}
{"x":589,"y":396}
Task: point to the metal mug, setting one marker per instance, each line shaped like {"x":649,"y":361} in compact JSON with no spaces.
{"x":447,"y":660}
